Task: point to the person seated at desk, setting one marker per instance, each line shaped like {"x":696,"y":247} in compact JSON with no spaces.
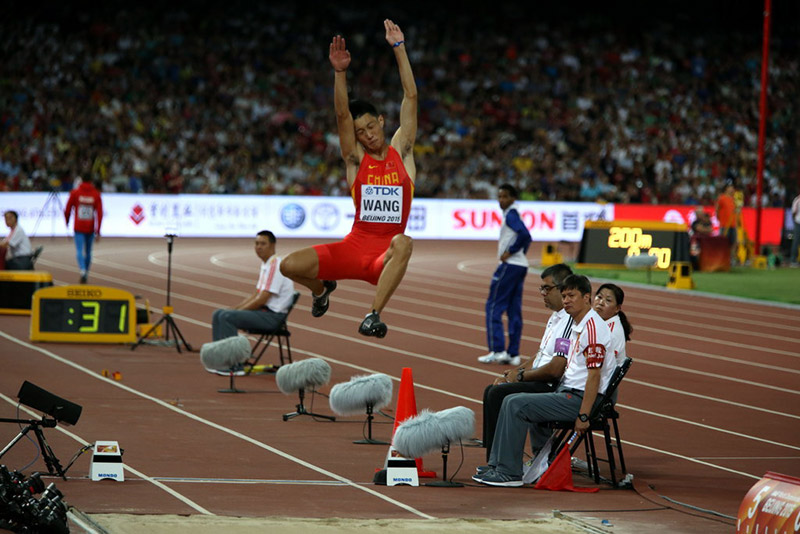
{"x":16,"y":245}
{"x":702,"y":225}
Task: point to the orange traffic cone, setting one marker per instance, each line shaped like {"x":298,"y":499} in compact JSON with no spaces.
{"x":407,"y":407}
{"x":558,"y":476}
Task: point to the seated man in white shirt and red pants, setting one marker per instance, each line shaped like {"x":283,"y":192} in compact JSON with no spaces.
{"x":585,"y":380}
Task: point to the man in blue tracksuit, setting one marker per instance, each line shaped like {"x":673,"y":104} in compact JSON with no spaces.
{"x":505,"y":291}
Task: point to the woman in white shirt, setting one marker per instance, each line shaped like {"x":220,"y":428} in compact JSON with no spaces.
{"x":608,"y":305}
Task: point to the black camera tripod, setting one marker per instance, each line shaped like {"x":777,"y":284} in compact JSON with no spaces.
{"x":53,"y":465}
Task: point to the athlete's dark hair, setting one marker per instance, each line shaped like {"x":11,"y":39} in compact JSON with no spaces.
{"x":14,"y":213}
{"x":577,"y":281}
{"x":269,"y":235}
{"x":510,"y":189}
{"x":362,"y":107}
{"x":558,"y":271}
{"x":619,"y":296}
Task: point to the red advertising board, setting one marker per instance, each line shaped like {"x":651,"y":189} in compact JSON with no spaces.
{"x":771,"y":218}
{"x":771,"y":506}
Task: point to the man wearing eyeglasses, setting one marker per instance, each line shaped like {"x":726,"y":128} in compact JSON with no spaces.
{"x":505,"y":291}
{"x":542,"y":373}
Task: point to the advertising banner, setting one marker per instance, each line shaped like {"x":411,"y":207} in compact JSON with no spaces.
{"x":772,"y":505}
{"x":140,"y":215}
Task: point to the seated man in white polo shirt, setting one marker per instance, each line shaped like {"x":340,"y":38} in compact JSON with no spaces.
{"x":266,"y":308}
{"x":17,"y":244}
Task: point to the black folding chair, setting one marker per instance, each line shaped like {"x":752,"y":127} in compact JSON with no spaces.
{"x":603,"y":416}
{"x":35,"y":255}
{"x":281,"y":336}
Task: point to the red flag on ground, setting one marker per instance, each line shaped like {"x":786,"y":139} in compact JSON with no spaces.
{"x":558,"y":476}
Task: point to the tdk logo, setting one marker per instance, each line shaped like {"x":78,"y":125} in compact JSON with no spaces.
{"x":383,"y":190}
{"x":293,"y":216}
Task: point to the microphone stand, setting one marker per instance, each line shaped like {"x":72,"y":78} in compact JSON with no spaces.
{"x":369,"y":440}
{"x":167,"y":310}
{"x":444,"y":483}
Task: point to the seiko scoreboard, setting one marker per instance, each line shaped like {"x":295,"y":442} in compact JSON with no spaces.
{"x":605,"y":244}
{"x":83,"y":314}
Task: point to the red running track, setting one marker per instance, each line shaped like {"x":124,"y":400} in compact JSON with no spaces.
{"x":710,"y":404}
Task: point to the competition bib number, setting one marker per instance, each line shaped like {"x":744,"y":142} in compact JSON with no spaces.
{"x":382,"y":203}
{"x":85,"y":212}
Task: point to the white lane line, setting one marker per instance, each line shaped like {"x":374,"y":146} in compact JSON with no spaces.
{"x":716,"y":376}
{"x":690,"y":459}
{"x":82,"y":441}
{"x":709,"y":427}
{"x":629,"y":380}
{"x":772,"y":458}
{"x":246,"y":481}
{"x":216,"y":426}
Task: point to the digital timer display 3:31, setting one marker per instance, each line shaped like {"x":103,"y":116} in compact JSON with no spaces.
{"x":89,"y":316}
{"x":83,"y":314}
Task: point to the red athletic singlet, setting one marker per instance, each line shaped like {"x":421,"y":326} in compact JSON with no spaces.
{"x":382,"y":193}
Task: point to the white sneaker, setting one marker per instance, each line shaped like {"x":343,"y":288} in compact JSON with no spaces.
{"x":494,"y":357}
{"x":515,"y":361}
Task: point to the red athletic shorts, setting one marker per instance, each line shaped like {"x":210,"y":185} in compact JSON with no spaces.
{"x":356,"y":257}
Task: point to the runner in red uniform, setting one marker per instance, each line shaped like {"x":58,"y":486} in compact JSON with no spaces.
{"x":380,"y":176}
{"x":85,"y":201}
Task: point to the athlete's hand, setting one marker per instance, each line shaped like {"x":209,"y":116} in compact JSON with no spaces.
{"x":393,"y":32}
{"x":338,"y":55}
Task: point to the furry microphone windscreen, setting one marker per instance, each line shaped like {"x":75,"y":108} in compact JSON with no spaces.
{"x":457,"y":424}
{"x":223,"y":354}
{"x":303,"y":374}
{"x":430,"y":431}
{"x":351,"y":398}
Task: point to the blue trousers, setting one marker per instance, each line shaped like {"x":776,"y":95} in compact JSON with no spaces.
{"x":505,"y":296}
{"x":83,"y":247}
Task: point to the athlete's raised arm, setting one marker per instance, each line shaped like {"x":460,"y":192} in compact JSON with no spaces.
{"x":403,"y":139}
{"x":340,"y":60}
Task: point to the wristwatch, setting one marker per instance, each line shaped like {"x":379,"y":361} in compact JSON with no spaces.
{"x":520,"y":375}
{"x":583,"y":417}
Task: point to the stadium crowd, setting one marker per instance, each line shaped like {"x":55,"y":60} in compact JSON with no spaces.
{"x":237,"y":98}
